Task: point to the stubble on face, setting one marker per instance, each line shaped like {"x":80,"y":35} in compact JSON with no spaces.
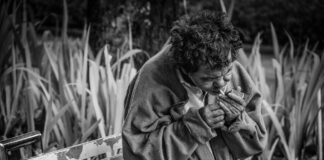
{"x":213,"y":81}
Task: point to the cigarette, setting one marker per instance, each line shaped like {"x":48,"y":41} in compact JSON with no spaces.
{"x":222,"y":91}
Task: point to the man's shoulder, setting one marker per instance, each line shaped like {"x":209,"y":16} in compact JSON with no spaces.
{"x":159,"y":67}
{"x":158,"y":74}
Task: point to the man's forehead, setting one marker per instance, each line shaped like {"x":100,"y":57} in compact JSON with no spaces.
{"x":206,"y":67}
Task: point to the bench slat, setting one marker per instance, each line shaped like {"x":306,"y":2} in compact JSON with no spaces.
{"x":111,"y":146}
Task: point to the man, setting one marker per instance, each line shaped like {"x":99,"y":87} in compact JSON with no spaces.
{"x":193,"y":100}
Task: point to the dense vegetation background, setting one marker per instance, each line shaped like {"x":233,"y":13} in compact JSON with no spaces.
{"x":150,"y":21}
{"x":65,"y":66}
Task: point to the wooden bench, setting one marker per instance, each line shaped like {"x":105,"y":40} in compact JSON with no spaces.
{"x":109,"y":148}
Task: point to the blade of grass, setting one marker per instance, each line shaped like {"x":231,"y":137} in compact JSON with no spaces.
{"x":274,"y":41}
{"x":273,"y":147}
{"x":14,"y":65}
{"x":242,"y":57}
{"x":94,"y":81}
{"x":301,"y":62}
{"x":30,"y":72}
{"x":46,"y":132}
{"x":14,"y":104}
{"x":320,"y":125}
{"x":72,"y":70}
{"x":279,"y":129}
{"x":84,"y":79}
{"x":231,"y":9}
{"x":306,"y":107}
{"x":291,"y":43}
{"x":54,"y":120}
{"x":293,"y":128}
{"x":8,"y":116}
{"x":222,"y":6}
{"x":63,"y":55}
{"x":128,"y":55}
{"x":90,"y":131}
{"x":279,"y":85}
{"x":99,"y":56}
{"x":185,"y":6}
{"x":31,"y":103}
{"x":281,"y":54}
{"x":130,"y":36}
{"x":70,"y":97}
{"x":61,"y":125}
{"x":111,"y":83}
{"x":8,"y":98}
{"x":47,"y":97}
{"x":121,"y":84}
{"x":51,"y":121}
{"x":255,"y":68}
{"x":51,"y":60}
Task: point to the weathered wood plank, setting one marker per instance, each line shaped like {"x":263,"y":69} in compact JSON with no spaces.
{"x":111,"y":146}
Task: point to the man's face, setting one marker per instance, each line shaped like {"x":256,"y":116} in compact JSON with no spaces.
{"x":212,"y":80}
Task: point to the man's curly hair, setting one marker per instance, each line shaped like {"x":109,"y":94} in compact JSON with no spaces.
{"x":204,"y":38}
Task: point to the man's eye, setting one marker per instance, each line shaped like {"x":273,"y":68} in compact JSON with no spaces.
{"x":228,"y":74}
{"x":209,"y":79}
{"x":206,"y":79}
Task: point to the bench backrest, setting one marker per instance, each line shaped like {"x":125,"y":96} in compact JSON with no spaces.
{"x":109,"y":148}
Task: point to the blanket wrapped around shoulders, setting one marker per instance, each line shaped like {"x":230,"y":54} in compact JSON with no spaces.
{"x":157,"y":128}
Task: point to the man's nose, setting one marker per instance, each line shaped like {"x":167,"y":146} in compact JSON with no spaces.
{"x":220,"y":83}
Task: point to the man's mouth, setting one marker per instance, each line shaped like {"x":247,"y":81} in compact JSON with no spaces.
{"x":216,"y":91}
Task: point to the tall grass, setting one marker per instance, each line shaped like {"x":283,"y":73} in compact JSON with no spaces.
{"x":59,"y":86}
{"x":72,"y":94}
{"x":320,"y":127}
{"x":292,"y":107}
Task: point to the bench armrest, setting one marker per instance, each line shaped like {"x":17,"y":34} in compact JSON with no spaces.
{"x":18,"y":142}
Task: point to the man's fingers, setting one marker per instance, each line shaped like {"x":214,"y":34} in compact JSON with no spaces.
{"x":226,"y":109}
{"x":213,"y":107}
{"x":235,"y":127}
{"x":218,"y":124}
{"x":239,"y":108}
{"x":224,"y":128}
{"x":228,"y":100}
{"x":231,"y":108}
{"x":217,"y":119}
{"x":239,"y":88}
{"x":235,"y":110}
{"x":236,"y":98}
{"x":218,"y":112}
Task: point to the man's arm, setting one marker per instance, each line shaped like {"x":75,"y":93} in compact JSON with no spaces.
{"x":149,"y":132}
{"x":249,"y":136}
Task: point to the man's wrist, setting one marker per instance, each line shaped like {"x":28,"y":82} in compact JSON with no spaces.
{"x":197,"y":126}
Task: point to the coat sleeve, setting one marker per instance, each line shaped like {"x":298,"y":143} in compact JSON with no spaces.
{"x":150,"y":132}
{"x":252,"y":138}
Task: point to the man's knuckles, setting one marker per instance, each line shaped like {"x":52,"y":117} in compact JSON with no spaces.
{"x":218,"y":124}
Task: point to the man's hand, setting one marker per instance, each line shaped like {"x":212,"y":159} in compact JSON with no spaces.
{"x":213,"y":115}
{"x":233,"y":105}
{"x":241,"y":125}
